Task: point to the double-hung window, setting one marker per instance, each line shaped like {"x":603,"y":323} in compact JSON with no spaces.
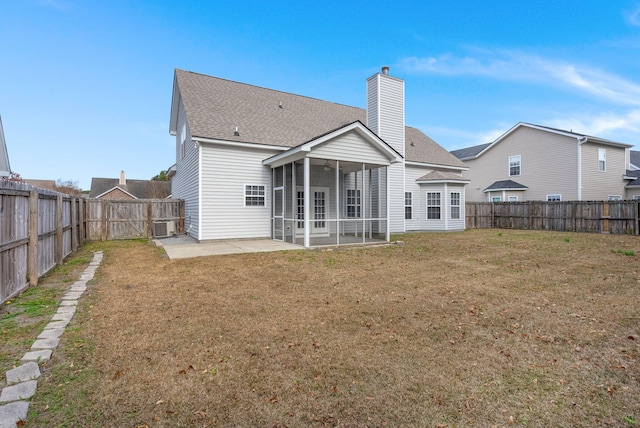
{"x":515,"y":165}
{"x":353,"y":203}
{"x":254,"y":195}
{"x":433,"y":205}
{"x":602,"y":160}
{"x":554,"y":198}
{"x":408,"y":200}
{"x":455,"y":206}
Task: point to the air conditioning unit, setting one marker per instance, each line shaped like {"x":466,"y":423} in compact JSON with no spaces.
{"x":162,"y":229}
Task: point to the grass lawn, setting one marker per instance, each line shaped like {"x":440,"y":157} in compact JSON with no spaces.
{"x":481,"y":328}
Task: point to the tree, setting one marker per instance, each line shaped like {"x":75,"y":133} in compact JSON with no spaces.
{"x":68,"y":187}
{"x":162,"y":176}
{"x":15,"y":177}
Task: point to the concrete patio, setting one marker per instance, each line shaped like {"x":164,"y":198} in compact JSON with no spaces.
{"x":183,"y":246}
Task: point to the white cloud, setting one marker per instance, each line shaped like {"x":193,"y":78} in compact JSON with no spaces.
{"x":633,"y":17}
{"x":519,"y":66}
{"x":605,"y":125}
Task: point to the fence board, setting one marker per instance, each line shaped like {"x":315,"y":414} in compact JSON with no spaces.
{"x":618,"y":217}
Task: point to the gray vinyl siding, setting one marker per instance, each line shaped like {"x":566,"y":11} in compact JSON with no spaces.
{"x":225,"y":172}
{"x":350,"y":147}
{"x":548,"y":166}
{"x":185,"y":184}
{"x":598,"y":185}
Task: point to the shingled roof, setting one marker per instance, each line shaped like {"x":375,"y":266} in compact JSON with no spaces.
{"x":469,"y":152}
{"x":635,"y":158}
{"x":139,"y":189}
{"x":216,"y":107}
{"x":505,"y":185}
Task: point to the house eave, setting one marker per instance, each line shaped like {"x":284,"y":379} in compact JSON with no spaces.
{"x":506,"y":189}
{"x":204,"y":140}
{"x":444,"y":181}
{"x":434,"y":165}
{"x":114,"y":188}
{"x":303,"y":150}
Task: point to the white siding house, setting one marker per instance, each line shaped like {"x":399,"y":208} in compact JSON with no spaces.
{"x":254,"y":163}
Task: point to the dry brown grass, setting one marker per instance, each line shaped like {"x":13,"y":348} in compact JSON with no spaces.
{"x":479,"y":328}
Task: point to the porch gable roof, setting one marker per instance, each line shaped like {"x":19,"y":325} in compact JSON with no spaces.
{"x":306,"y":149}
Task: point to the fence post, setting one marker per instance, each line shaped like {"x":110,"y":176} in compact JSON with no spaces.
{"x":149,"y":224}
{"x":81,"y":221}
{"x":59,"y":231}
{"x":74,"y":225}
{"x":104,"y":222}
{"x":32,"y":247}
{"x":638,"y":218}
{"x":605,"y":217}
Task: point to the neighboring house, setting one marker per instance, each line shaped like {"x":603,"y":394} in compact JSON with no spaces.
{"x":5,"y":169}
{"x":532,"y":162}
{"x":634,"y":163}
{"x":254,"y":162}
{"x":121,"y":188}
{"x":42,"y":184}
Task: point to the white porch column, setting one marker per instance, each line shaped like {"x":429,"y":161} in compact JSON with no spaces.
{"x":307,"y":203}
{"x":337,"y":202}
{"x":363,"y":205}
{"x":388,"y":235}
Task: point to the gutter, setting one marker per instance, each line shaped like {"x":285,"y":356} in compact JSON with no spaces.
{"x":581,"y":141}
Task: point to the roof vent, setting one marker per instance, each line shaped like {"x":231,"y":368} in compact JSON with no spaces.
{"x":385,"y":70}
{"x":236,"y":133}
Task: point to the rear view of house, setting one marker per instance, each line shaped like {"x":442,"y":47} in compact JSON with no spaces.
{"x":254,"y":162}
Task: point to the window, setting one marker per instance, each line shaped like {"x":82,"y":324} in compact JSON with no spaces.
{"x":433,"y":205}
{"x":514,"y":165}
{"x":554,"y":198}
{"x":615,"y":197}
{"x":408,"y":196}
{"x":455,"y":206}
{"x":513,"y":199}
{"x":353,"y":203}
{"x":183,"y":138}
{"x":636,"y":197}
{"x":496,"y":199}
{"x":602,"y":160}
{"x":254,"y":196}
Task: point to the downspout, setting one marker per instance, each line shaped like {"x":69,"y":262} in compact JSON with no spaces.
{"x":581,"y":141}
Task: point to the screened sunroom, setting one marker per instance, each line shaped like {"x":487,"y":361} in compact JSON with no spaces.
{"x":333,"y":191}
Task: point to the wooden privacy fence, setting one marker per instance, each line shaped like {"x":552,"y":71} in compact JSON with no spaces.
{"x":128,"y":219}
{"x":39,"y":228}
{"x":618,"y":217}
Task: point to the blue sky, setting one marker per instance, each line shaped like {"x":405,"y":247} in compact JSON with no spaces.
{"x":85,"y":85}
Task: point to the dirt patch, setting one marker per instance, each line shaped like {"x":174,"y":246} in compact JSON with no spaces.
{"x":478,"y":328}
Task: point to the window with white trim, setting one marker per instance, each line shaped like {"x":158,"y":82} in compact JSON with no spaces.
{"x":615,"y":197}
{"x":602,"y":159}
{"x":433,"y":205}
{"x":513,"y":198}
{"x":455,"y":205}
{"x":183,"y":138}
{"x":636,"y":197}
{"x":254,"y":195}
{"x":353,"y":203}
{"x":554,"y":198}
{"x":496,"y":199}
{"x":515,"y":163}
{"x":408,"y":207}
